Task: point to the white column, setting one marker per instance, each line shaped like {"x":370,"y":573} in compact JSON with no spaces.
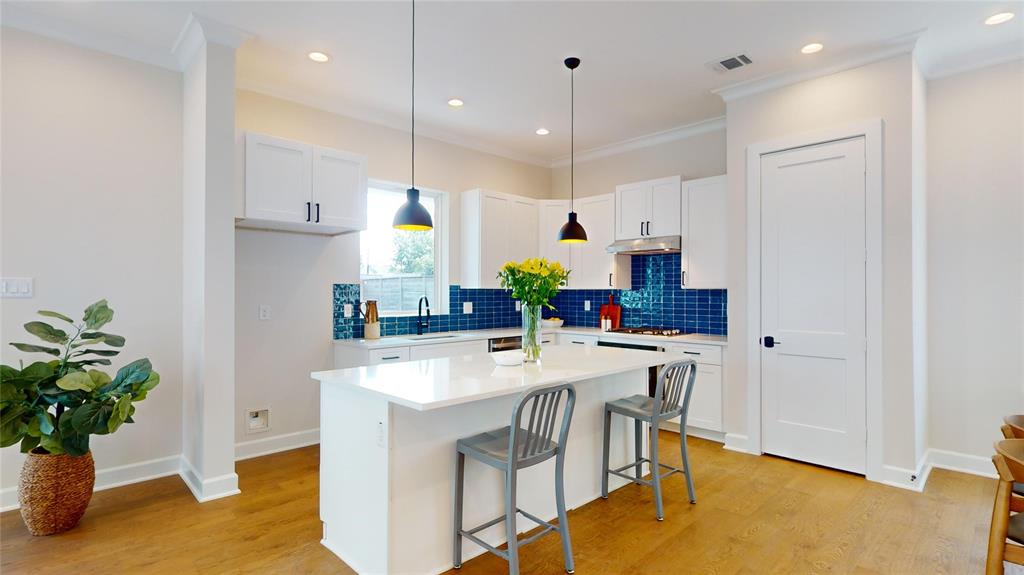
{"x":206,"y":52}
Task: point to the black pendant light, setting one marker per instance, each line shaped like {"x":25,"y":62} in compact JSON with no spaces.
{"x":572,"y":232}
{"x":412,"y":215}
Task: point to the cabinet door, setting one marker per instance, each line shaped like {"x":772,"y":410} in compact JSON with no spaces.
{"x":494,"y":237}
{"x":663,"y":208}
{"x":447,"y":349}
{"x":553,"y":214}
{"x":706,"y":401}
{"x":339,"y":189}
{"x":704,"y":234}
{"x":278,"y":176}
{"x":593,"y":267}
{"x":521,"y":223}
{"x":631,"y":211}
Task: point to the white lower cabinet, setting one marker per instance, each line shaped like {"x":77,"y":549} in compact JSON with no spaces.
{"x":389,"y":355}
{"x":706,"y":400}
{"x":568,"y":338}
{"x":447,"y":349}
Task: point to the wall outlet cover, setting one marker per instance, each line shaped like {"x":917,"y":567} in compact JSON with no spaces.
{"x":519,"y":305}
{"x":467,"y":307}
{"x":16,"y":287}
{"x":586,"y":305}
{"x":264,"y":314}
{"x":348,"y":310}
{"x":257,"y":420}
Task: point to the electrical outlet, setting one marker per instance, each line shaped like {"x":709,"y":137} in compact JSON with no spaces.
{"x":257,"y":420}
{"x":586,"y":305}
{"x":264,"y":312}
{"x":348,"y":310}
{"x":380,"y":434}
{"x":467,"y":307}
{"x":16,"y":287}
{"x":519,"y":305}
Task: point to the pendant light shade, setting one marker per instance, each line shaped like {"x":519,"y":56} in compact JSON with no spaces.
{"x":572,"y":232}
{"x":412,"y":215}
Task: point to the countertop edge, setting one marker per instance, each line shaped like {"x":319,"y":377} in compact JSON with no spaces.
{"x":474,"y":335}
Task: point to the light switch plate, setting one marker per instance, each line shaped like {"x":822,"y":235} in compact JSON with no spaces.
{"x":16,"y":287}
{"x":467,"y":307}
{"x":348,"y":310}
{"x":264,"y":312}
{"x":586,"y":305}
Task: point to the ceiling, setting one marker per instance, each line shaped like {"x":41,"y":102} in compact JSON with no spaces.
{"x":643,"y":63}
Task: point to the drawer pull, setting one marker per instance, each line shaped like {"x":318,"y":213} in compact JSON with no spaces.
{"x":580,"y":342}
{"x":390,"y":357}
{"x":692,"y":352}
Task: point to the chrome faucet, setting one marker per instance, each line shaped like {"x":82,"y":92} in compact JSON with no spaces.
{"x":420,"y":324}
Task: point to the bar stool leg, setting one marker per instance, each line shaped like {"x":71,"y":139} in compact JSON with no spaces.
{"x":686,"y":465}
{"x":656,"y":472}
{"x":604,"y":460}
{"x":460,"y":476}
{"x":510,"y":522}
{"x":563,"y":519}
{"x":638,"y":447}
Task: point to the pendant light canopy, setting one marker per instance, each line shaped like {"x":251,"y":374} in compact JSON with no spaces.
{"x":572,"y":232}
{"x":412,"y":215}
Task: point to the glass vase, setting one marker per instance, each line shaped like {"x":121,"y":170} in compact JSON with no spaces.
{"x":531,"y":333}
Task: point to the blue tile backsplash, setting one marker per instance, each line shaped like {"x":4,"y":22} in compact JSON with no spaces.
{"x":655,"y":300}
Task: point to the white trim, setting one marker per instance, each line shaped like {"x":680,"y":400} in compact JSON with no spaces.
{"x":872,"y":131}
{"x":939,"y":72}
{"x":199,"y":30}
{"x":208,"y":489}
{"x":361,"y":113}
{"x":647,"y":140}
{"x":910,"y":479}
{"x":277,"y":443}
{"x":708,"y":434}
{"x":895,"y":46}
{"x":112,"y":477}
{"x":738,"y":443}
{"x":961,"y":462}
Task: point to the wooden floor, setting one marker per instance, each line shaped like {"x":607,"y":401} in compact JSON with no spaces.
{"x":753,"y":515}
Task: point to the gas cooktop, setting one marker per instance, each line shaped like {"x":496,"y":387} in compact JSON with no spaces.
{"x":666,"y":331}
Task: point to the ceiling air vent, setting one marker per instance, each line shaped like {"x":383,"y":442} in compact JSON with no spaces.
{"x":730,"y":63}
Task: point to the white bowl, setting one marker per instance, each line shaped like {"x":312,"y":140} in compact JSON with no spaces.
{"x":552,"y":322}
{"x":508,"y":358}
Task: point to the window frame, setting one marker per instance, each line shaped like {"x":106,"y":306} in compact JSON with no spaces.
{"x":441,"y":245}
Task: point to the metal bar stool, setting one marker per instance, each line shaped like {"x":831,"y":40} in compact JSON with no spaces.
{"x":510,"y":449}
{"x":671,"y":399}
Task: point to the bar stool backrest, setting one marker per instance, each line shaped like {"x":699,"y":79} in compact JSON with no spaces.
{"x":675,"y":384}
{"x":1013,"y":427}
{"x":542,"y":407}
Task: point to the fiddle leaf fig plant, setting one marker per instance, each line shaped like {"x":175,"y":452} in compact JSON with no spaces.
{"x":55,"y":405}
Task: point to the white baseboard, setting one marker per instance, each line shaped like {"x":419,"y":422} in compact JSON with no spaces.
{"x":962,"y":462}
{"x":912,"y":479}
{"x":716,"y":436}
{"x":208,"y":489}
{"x":738,"y":443}
{"x":276,"y":443}
{"x":112,"y":477}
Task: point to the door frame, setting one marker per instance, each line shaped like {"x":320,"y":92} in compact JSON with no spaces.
{"x":872,"y":132}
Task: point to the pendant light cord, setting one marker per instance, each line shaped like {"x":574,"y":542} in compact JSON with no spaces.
{"x":572,"y":139}
{"x":412,"y":168}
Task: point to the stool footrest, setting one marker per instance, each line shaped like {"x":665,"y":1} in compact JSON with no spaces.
{"x":485,"y":545}
{"x":469,"y":533}
{"x":618,"y":471}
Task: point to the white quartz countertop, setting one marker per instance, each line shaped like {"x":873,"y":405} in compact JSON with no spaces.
{"x":457,"y":336}
{"x":434,"y":383}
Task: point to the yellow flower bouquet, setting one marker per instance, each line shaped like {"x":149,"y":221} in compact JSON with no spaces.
{"x":533,"y":282}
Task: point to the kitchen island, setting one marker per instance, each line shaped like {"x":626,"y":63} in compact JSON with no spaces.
{"x":387,"y":449}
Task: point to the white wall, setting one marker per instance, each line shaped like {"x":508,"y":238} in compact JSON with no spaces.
{"x":91,"y":208}
{"x":878,"y":90}
{"x":976,"y":255}
{"x":293,"y":273}
{"x":698,"y":156}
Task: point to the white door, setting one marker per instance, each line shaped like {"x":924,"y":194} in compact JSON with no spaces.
{"x":631,"y":211}
{"x":593,"y":267}
{"x":521,"y":222}
{"x":277,"y":179}
{"x":663,"y":208}
{"x":553,"y":214}
{"x":813,"y":304}
{"x":339,"y":189}
{"x":704,"y":227}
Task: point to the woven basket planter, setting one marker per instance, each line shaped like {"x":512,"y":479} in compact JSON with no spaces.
{"x":54,"y":491}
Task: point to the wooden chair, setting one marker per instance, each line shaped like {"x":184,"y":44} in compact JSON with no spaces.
{"x":1006,"y":535}
{"x":1013,"y":427}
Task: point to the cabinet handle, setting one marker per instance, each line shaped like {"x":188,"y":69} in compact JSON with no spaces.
{"x":309,"y":207}
{"x":648,"y":227}
{"x":609,"y":280}
{"x":641,"y":228}
{"x":390,"y":357}
{"x":318,"y":212}
{"x":579,"y":342}
{"x":692,"y":352}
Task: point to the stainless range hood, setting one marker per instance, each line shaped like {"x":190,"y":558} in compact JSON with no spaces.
{"x":639,"y":246}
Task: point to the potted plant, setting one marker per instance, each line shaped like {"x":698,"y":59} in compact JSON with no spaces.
{"x":52,"y":407}
{"x":533,"y":282}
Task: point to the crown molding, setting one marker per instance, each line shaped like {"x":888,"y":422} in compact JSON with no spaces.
{"x":645,"y":141}
{"x":900,"y":45}
{"x":27,"y":20}
{"x":199,"y":30}
{"x":371,"y":116}
{"x":976,"y":60}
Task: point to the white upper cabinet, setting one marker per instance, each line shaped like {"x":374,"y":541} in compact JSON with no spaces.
{"x":299,"y":187}
{"x":496,"y":228}
{"x":647,"y":209}
{"x":704,"y":234}
{"x":592,"y":266}
{"x":553,"y":215}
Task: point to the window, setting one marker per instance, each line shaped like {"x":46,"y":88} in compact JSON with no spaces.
{"x":398,"y":267}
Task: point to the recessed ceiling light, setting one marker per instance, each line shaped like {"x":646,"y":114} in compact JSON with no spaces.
{"x":999,"y":18}
{"x":318,"y":57}
{"x":542,"y":132}
{"x":455,"y":103}
{"x":812,"y":48}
